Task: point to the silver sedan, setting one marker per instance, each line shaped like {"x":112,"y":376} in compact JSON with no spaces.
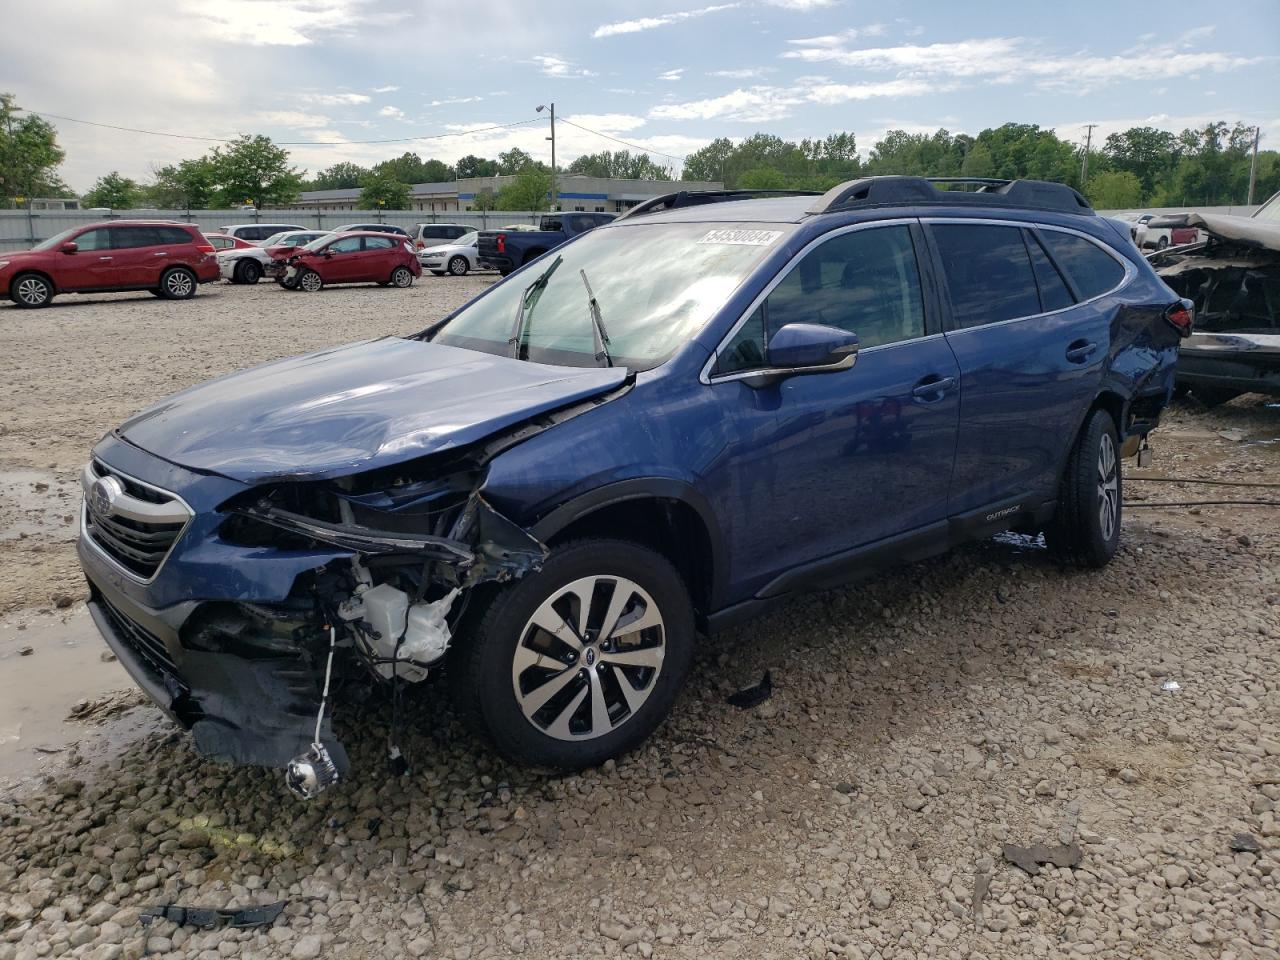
{"x":457,"y":258}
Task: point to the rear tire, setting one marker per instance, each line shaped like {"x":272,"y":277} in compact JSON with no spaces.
{"x":1162,"y":243}
{"x":546,"y":701}
{"x":248,"y":271}
{"x":459,"y":266}
{"x":178,"y":283}
{"x":1085,"y":530}
{"x":309,"y":281}
{"x":31,"y":291}
{"x":402,"y":277}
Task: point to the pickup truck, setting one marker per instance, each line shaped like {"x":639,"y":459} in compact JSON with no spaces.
{"x":508,"y":251}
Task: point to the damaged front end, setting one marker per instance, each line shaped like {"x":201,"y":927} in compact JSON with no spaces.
{"x":396,"y":553}
{"x":1233,"y":278}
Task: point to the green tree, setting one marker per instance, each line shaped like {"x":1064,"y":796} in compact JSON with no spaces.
{"x":621,"y":164}
{"x":410,"y":168}
{"x":1145,"y":152}
{"x":512,"y":161}
{"x":188,"y":185}
{"x":978,"y":162}
{"x":113,"y":191}
{"x":762,"y":178}
{"x":29,"y":154}
{"x":340,"y":176}
{"x":380,"y":189}
{"x":711,"y":162}
{"x":530,"y":190}
{"x":254,"y":169}
{"x":1114,"y":190}
{"x":473,"y":166}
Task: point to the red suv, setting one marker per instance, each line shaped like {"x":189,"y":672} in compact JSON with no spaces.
{"x":169,"y":259}
{"x":364,"y":257}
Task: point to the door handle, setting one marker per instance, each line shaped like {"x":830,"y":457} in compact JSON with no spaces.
{"x":932,"y":387}
{"x":162,"y":253}
{"x":106,"y":258}
{"x":1081,"y":350}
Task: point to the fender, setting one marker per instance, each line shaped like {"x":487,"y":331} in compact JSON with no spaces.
{"x":643,"y":488}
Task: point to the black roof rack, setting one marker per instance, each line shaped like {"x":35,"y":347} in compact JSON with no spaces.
{"x":694,"y":198}
{"x":902,"y":191}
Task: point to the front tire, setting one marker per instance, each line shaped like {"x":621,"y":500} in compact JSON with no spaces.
{"x":1085,"y":531}
{"x":310,"y":282}
{"x":178,"y":283}
{"x":459,"y":266}
{"x":31,"y":291}
{"x":401,"y":277}
{"x":580,"y":661}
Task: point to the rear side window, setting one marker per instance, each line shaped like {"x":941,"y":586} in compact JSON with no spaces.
{"x":988,"y":273}
{"x":1054,"y":294}
{"x":122,"y":238}
{"x":1091,"y":269}
{"x":173,"y":235}
{"x":378,"y":243}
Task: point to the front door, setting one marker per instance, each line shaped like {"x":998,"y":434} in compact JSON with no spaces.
{"x":93,"y":265}
{"x":1030,"y":356}
{"x":827,"y":462}
{"x":344,"y":264}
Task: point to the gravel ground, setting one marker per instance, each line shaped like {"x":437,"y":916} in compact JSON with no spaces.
{"x":919,"y":722}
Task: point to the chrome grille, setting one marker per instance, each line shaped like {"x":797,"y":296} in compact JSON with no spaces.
{"x":133,"y":523}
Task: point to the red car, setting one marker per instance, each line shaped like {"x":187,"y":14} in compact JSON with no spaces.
{"x":168,"y":259}
{"x":363,"y":257}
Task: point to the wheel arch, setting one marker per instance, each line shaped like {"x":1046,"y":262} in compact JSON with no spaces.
{"x":666,"y":515}
{"x":42,"y":274}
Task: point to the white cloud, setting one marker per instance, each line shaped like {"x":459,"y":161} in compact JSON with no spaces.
{"x":453,"y":100}
{"x":844,"y":92}
{"x":292,"y":118}
{"x":335,"y":99}
{"x":394,"y":113}
{"x":288,"y":23}
{"x":608,"y":122}
{"x":1011,"y":60}
{"x":554,"y":66}
{"x":745,"y":73}
{"x":662,"y":20}
{"x":761,"y":104}
{"x":802,"y":6}
{"x":671,"y":75}
{"x":390,"y":89}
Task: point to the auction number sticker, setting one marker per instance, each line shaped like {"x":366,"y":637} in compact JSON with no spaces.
{"x":746,"y":238}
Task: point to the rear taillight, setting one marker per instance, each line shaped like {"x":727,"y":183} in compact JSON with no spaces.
{"x":204,"y":248}
{"x":1181,"y":317}
{"x":420,"y":245}
{"x":501,"y":241}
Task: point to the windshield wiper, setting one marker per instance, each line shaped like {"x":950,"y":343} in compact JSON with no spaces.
{"x":599,"y":336}
{"x":519,"y":340}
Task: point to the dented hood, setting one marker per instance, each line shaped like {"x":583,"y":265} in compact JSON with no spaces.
{"x":353,"y":408}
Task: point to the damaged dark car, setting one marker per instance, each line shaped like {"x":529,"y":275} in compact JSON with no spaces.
{"x":664,"y":427}
{"x":1233,"y":278}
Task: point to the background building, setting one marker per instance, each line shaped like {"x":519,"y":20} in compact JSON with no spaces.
{"x":591,"y":194}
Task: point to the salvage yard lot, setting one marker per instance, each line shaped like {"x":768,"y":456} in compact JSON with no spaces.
{"x":919,"y":721}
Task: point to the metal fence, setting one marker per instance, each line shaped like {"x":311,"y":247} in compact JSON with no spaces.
{"x":20,"y":229}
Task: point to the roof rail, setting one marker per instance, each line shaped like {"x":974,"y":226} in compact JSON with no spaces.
{"x":694,"y":198}
{"x":897,"y":191}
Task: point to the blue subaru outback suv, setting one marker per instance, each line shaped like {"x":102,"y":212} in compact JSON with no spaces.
{"x":663,"y":427}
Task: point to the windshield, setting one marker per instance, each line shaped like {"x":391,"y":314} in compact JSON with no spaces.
{"x":656,"y":285}
{"x":468,"y":239}
{"x":320,"y":242}
{"x":57,"y":240}
{"x":274,"y":239}
{"x":1269,"y":210}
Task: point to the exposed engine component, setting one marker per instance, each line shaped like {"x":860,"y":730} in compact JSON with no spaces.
{"x":311,"y":773}
{"x":401,"y":638}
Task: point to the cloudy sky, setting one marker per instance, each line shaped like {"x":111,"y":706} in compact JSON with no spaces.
{"x":667,"y":76}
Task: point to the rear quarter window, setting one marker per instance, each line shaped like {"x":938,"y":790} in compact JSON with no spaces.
{"x":1091,"y":269}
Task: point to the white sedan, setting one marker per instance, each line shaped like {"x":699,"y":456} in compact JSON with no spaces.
{"x":458,"y":258}
{"x":247,"y":264}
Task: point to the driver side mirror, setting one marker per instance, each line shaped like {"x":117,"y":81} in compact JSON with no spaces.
{"x":328,"y":254}
{"x":69,"y":247}
{"x":806,"y":348}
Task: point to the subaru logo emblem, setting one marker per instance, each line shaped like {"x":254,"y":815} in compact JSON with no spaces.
{"x":103,"y":495}
{"x":590,"y":657}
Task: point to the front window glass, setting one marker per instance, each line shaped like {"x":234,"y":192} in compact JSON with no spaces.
{"x":345,"y":245}
{"x":99,"y":239}
{"x":865,"y":282}
{"x":656,"y":286}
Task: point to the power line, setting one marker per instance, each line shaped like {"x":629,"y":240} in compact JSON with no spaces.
{"x":633,"y":146}
{"x":285,"y":143}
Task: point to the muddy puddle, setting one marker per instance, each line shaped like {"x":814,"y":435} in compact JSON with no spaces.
{"x":61,"y":705}
{"x":37,"y":503}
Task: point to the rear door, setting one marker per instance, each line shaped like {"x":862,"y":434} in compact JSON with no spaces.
{"x":1031,"y":359}
{"x":139,"y":255}
{"x":379,"y":257}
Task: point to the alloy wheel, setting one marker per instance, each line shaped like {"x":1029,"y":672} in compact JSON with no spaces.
{"x":310,"y":281}
{"x":32,"y":291}
{"x":1108,"y":487}
{"x":179,"y":284}
{"x":589,"y":658}
{"x":402,"y":277}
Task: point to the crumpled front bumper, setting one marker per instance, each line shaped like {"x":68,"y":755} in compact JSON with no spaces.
{"x":1240,"y":361}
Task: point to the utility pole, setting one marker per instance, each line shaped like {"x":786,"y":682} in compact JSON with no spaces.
{"x":1253,"y":164}
{"x":1084,"y":162}
{"x":552,"y":138}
